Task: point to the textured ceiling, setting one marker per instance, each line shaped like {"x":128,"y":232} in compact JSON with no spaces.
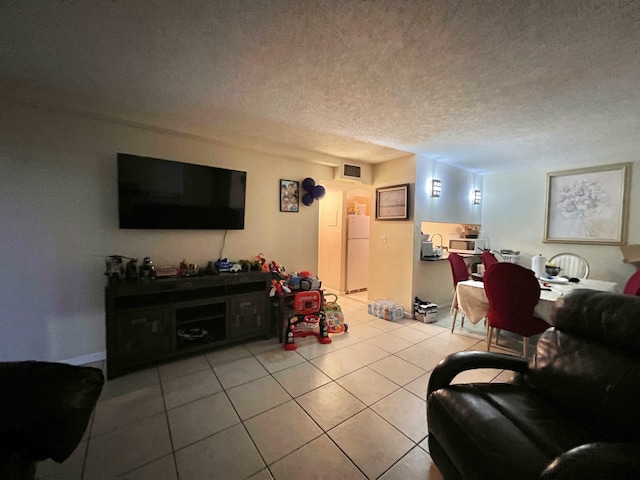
{"x":484,"y":85}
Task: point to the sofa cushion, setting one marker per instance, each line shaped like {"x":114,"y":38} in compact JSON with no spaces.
{"x":45,"y":407}
{"x":600,"y":316}
{"x":590,"y":382}
{"x":493,"y":430}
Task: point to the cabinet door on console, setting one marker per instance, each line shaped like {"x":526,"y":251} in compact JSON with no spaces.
{"x":247,"y":315}
{"x":144,"y":334}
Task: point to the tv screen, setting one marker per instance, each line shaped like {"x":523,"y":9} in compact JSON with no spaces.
{"x":164,"y":194}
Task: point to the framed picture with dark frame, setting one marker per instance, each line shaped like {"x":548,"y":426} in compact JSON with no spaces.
{"x":392,"y":202}
{"x":289,"y":196}
{"x":588,"y":205}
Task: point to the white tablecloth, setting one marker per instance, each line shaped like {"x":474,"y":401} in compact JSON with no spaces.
{"x":472,"y":299}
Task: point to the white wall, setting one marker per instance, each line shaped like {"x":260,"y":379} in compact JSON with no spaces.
{"x":432,"y":280}
{"x":58,"y":218}
{"x":514,"y":215}
{"x":454,"y":204}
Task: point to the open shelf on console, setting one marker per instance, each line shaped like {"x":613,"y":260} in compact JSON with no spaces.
{"x":201,"y":312}
{"x":200,"y":332}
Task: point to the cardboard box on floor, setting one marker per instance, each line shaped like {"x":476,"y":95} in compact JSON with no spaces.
{"x":631,"y":254}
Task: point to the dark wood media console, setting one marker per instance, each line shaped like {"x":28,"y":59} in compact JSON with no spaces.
{"x":159,"y":319}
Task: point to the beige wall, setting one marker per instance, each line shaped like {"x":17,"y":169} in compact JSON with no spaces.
{"x":58,"y":212}
{"x":391,"y":241}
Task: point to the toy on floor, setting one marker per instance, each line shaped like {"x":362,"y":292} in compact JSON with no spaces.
{"x":309,"y":319}
{"x":333,"y":312}
{"x":279,"y":280}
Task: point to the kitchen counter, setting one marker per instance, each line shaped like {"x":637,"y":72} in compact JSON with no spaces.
{"x":433,"y":259}
{"x":446,"y":256}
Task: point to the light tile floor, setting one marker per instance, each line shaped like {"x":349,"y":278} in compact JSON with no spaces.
{"x":354,"y":408}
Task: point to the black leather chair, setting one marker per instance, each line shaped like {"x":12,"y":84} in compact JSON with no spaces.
{"x":45,"y":408}
{"x":570,"y":413}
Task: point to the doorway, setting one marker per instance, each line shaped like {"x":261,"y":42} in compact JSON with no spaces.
{"x":341,"y":257}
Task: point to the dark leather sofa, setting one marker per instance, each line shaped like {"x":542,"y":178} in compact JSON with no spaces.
{"x":572,"y":412}
{"x":45,"y":408}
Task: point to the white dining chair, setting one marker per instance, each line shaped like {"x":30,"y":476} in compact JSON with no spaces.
{"x":572,"y":265}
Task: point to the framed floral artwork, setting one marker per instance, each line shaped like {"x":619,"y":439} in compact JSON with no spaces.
{"x":588,"y":205}
{"x":289,"y":196}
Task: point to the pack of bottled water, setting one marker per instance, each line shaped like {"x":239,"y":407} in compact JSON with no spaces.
{"x":385,"y":309}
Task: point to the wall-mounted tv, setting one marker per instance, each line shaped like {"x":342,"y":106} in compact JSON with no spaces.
{"x":164,"y":194}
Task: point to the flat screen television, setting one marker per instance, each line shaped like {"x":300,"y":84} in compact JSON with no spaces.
{"x":164,"y":194}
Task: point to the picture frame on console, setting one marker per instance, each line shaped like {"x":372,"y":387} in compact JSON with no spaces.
{"x":289,"y":196}
{"x":588,"y":205}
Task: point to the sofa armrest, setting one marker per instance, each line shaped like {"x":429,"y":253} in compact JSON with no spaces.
{"x":613,"y":461}
{"x":458,"y":362}
{"x":45,"y":407}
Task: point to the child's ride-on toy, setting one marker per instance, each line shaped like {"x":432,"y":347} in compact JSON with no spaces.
{"x":333,"y":312}
{"x":309,"y":319}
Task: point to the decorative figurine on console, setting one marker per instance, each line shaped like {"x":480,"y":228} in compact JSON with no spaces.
{"x":147,"y":269}
{"x":223,"y":265}
{"x":115,"y":268}
{"x":131,"y":271}
{"x":184,"y":268}
{"x":211,"y":268}
{"x":263,"y":262}
{"x":245,"y":264}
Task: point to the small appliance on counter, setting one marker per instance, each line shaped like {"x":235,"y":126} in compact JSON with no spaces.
{"x":427,"y":250}
{"x":511,"y":256}
{"x":462,"y":245}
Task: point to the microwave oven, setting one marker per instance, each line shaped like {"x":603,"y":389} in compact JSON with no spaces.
{"x":464,"y":245}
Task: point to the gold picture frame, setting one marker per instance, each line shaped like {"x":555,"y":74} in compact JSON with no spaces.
{"x":588,"y":205}
{"x":392,"y":202}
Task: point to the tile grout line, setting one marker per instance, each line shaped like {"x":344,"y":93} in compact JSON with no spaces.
{"x":254,"y":356}
{"x":241,"y":421}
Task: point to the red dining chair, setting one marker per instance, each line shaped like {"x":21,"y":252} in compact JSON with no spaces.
{"x":633,"y":285}
{"x":460,"y":273}
{"x":513,"y":292}
{"x":488,"y":259}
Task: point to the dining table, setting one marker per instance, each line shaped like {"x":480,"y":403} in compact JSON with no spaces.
{"x":473,"y":301}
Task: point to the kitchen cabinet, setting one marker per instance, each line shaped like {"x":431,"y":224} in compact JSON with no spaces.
{"x":247,"y":316}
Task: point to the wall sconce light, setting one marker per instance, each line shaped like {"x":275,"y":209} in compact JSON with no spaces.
{"x":477,"y":196}
{"x":436,"y":187}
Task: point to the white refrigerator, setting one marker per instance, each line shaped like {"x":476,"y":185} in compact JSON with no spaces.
{"x":357,"y":269}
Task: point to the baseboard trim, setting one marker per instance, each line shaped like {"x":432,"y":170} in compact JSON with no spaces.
{"x":86,"y":359}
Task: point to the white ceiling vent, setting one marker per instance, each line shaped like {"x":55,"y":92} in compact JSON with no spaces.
{"x":354,"y":173}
